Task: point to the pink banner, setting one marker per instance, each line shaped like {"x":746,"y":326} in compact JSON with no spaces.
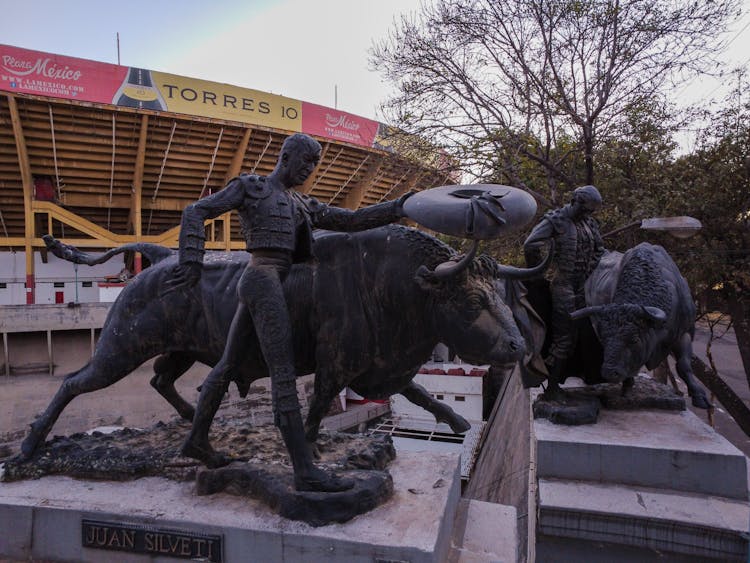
{"x":57,"y":76}
{"x":338,"y":125}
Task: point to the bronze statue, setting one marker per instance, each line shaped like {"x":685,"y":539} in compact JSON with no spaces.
{"x":578,"y":248}
{"x":277,"y":223}
{"x":397,"y":309}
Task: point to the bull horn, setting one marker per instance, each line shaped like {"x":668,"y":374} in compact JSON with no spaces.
{"x":513,"y":273}
{"x":654,"y":313}
{"x":453,"y":267}
{"x":586,"y":312}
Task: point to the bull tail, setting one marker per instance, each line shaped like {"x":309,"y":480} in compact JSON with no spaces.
{"x":153,"y":252}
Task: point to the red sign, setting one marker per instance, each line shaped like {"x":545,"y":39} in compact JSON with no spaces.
{"x":45,"y":74}
{"x":338,"y":125}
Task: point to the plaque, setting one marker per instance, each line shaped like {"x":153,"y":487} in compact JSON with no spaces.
{"x":151,"y":540}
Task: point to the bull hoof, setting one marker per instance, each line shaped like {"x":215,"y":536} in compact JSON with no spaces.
{"x":29,"y":445}
{"x":314,"y":450}
{"x":322,"y":482}
{"x":27,"y":452}
{"x":459,"y":424}
{"x":206,"y":455}
{"x":700,"y":401}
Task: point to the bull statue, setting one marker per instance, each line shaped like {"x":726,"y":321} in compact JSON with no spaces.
{"x":367,"y":314}
{"x":641,"y":310}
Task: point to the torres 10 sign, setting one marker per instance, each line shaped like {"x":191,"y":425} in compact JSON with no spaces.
{"x":57,"y":76}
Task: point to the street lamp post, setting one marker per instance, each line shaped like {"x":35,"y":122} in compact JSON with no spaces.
{"x":679,"y":227}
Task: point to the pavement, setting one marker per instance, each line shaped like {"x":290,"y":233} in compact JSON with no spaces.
{"x":729,"y":365}
{"x":129,"y":402}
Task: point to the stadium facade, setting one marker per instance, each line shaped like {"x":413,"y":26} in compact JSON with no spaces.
{"x":100,"y":155}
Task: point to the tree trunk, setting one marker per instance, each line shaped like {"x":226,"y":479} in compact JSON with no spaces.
{"x":739,"y":310}
{"x":726,"y":396}
{"x":588,"y":152}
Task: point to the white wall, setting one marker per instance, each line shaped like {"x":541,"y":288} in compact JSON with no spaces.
{"x":463,"y":393}
{"x":13,"y":275}
{"x":109,"y":292}
{"x":14,"y":293}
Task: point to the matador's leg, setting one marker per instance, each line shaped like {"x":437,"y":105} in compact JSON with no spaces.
{"x":563,"y":337}
{"x":261,"y":288}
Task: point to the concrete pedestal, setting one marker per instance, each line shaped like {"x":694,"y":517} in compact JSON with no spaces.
{"x":42,"y":519}
{"x":640,"y":486}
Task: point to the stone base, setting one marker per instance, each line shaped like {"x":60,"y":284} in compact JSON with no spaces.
{"x":42,"y":519}
{"x":639,"y":486}
{"x":276,"y":489}
{"x":571,"y":410}
{"x":581,"y":405}
{"x":127,"y":454}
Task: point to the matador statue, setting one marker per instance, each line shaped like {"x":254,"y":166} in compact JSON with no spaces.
{"x":578,"y":248}
{"x":277,"y":224}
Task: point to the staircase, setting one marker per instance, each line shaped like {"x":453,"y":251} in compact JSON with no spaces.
{"x":639,"y":486}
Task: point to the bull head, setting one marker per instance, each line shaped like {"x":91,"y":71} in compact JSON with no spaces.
{"x":450,"y":268}
{"x":455,"y":266}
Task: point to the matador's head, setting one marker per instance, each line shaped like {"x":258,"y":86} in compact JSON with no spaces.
{"x":586,"y":200}
{"x":299,"y":156}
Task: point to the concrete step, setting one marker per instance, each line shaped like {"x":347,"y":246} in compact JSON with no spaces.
{"x":656,"y":449}
{"x":688,"y":524}
{"x":484,"y":532}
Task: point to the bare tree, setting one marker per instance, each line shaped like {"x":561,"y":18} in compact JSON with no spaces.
{"x":498,"y":82}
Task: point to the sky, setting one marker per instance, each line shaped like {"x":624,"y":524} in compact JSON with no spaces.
{"x":311,"y":50}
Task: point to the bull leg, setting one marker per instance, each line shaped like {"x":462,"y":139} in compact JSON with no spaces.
{"x":197,"y":445}
{"x":683,"y":353}
{"x":627,"y":385}
{"x":102,"y":371}
{"x":442,"y":412}
{"x":326,"y":388}
{"x":169,"y":368}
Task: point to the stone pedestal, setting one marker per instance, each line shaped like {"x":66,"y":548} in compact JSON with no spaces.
{"x":42,"y":519}
{"x":639,"y":486}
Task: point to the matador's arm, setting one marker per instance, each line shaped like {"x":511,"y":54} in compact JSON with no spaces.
{"x":193,"y":236}
{"x":338,"y":219}
{"x":192,"y":232}
{"x":532,"y":246}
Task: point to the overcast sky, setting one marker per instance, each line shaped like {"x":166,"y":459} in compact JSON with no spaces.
{"x":302,"y":49}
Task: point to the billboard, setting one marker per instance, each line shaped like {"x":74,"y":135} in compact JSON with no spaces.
{"x":57,"y":76}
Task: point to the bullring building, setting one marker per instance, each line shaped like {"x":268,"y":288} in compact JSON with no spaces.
{"x":99,"y":155}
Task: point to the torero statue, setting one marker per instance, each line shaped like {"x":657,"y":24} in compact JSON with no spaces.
{"x":277,"y":224}
{"x":578,"y":248}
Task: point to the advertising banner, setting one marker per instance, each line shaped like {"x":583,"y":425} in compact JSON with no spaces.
{"x":44,"y":74}
{"x":222,"y":101}
{"x":338,"y":125}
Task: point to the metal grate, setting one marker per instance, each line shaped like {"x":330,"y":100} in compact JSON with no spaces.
{"x":469,"y":441}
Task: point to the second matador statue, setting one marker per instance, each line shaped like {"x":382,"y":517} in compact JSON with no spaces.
{"x":277,"y":224}
{"x":578,"y":249}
